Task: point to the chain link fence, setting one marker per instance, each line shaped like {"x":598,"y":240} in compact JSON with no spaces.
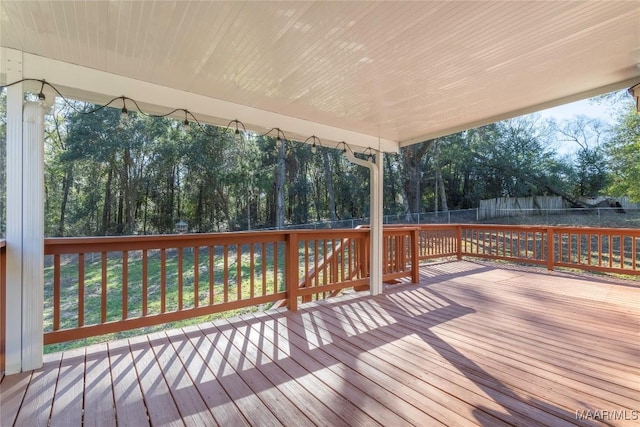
{"x":576,"y":217}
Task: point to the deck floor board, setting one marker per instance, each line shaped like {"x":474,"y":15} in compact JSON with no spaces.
{"x":475,"y":343}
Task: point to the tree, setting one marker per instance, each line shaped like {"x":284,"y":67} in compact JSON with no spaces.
{"x":590,"y":165}
{"x":623,"y":150}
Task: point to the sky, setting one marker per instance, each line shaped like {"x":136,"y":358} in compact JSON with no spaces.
{"x":602,"y":109}
{"x":584,"y":107}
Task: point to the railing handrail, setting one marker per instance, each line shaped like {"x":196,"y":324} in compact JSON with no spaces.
{"x":230,"y":261}
{"x":70,"y":245}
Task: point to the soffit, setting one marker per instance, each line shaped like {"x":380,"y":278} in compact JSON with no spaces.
{"x":403,"y":71}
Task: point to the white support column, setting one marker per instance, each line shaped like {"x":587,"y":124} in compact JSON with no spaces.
{"x":12,"y":68}
{"x":32,"y":235}
{"x":25,"y":223}
{"x":377,"y":201}
{"x":376,"y":174}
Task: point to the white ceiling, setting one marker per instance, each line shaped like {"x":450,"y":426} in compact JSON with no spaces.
{"x":402,"y":71}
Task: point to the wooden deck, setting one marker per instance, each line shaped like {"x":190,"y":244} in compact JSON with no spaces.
{"x":473,"y":344}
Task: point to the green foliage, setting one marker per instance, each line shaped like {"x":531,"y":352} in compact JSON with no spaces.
{"x":623,"y":149}
{"x":107,"y":177}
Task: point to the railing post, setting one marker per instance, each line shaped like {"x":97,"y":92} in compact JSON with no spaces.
{"x":550,"y":250}
{"x":459,"y":241}
{"x":291,"y":270}
{"x":415,"y":256}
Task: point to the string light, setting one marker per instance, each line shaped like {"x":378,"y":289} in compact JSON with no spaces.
{"x":369,"y":150}
{"x":124,"y":113}
{"x":42,"y":99}
{"x":186,"y":126}
{"x":237,"y":135}
{"x":634,"y":91}
{"x":313,"y":145}
{"x":124,"y":116}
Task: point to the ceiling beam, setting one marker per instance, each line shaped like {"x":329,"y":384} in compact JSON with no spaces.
{"x":90,"y":85}
{"x":527,"y":110}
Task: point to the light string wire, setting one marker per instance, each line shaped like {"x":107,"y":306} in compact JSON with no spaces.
{"x":280,"y":134}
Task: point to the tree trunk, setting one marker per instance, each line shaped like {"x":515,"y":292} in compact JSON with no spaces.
{"x":439,"y":180}
{"x":66,"y":187}
{"x":411,"y":162}
{"x":280,"y":176}
{"x":390,"y":181}
{"x":106,"y":211}
{"x":328,"y":175}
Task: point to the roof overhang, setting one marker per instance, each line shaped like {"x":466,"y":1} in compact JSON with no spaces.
{"x":374,"y":74}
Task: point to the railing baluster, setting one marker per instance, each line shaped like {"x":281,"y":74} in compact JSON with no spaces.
{"x":315,"y":261}
{"x":239,"y":272}
{"x":163,"y":280}
{"x":324,"y":261}
{"x":550,"y":246}
{"x":211,"y":275}
{"x":341,"y":268}
{"x":275,"y":267}
{"x":252,"y":267}
{"x":490,"y":242}
{"x":263,"y":265}
{"x":180,"y":279}
{"x":621,"y":239}
{"x":56,"y":292}
{"x":103,"y":298}
{"x":560,"y":245}
{"x":196,"y":276}
{"x":307,"y":284}
{"x":291,"y":270}
{"x":145,"y":282}
{"x":125,"y":284}
{"x":579,"y":248}
{"x":599,"y":243}
{"x":81,"y":289}
{"x":225,"y":279}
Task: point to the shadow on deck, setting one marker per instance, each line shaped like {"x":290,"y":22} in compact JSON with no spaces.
{"x":473,"y":344}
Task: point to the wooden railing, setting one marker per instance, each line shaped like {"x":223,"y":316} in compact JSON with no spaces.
{"x":95,"y":286}
{"x":598,"y":249}
{"x":612,"y":250}
{"x":3,"y":305}
{"x":101,"y":285}
{"x":509,"y":243}
{"x":328,"y":261}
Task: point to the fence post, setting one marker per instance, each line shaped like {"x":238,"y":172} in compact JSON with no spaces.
{"x":415,"y":256}
{"x":550,"y":250}
{"x":291,"y":270}
{"x":459,"y":241}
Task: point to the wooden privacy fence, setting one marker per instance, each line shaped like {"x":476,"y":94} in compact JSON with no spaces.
{"x":101,"y":285}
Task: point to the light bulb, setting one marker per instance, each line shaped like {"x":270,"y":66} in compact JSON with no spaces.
{"x":186,"y":126}
{"x":313,"y":148}
{"x":124,"y":115}
{"x":237,"y":136}
{"x":42,"y":99}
